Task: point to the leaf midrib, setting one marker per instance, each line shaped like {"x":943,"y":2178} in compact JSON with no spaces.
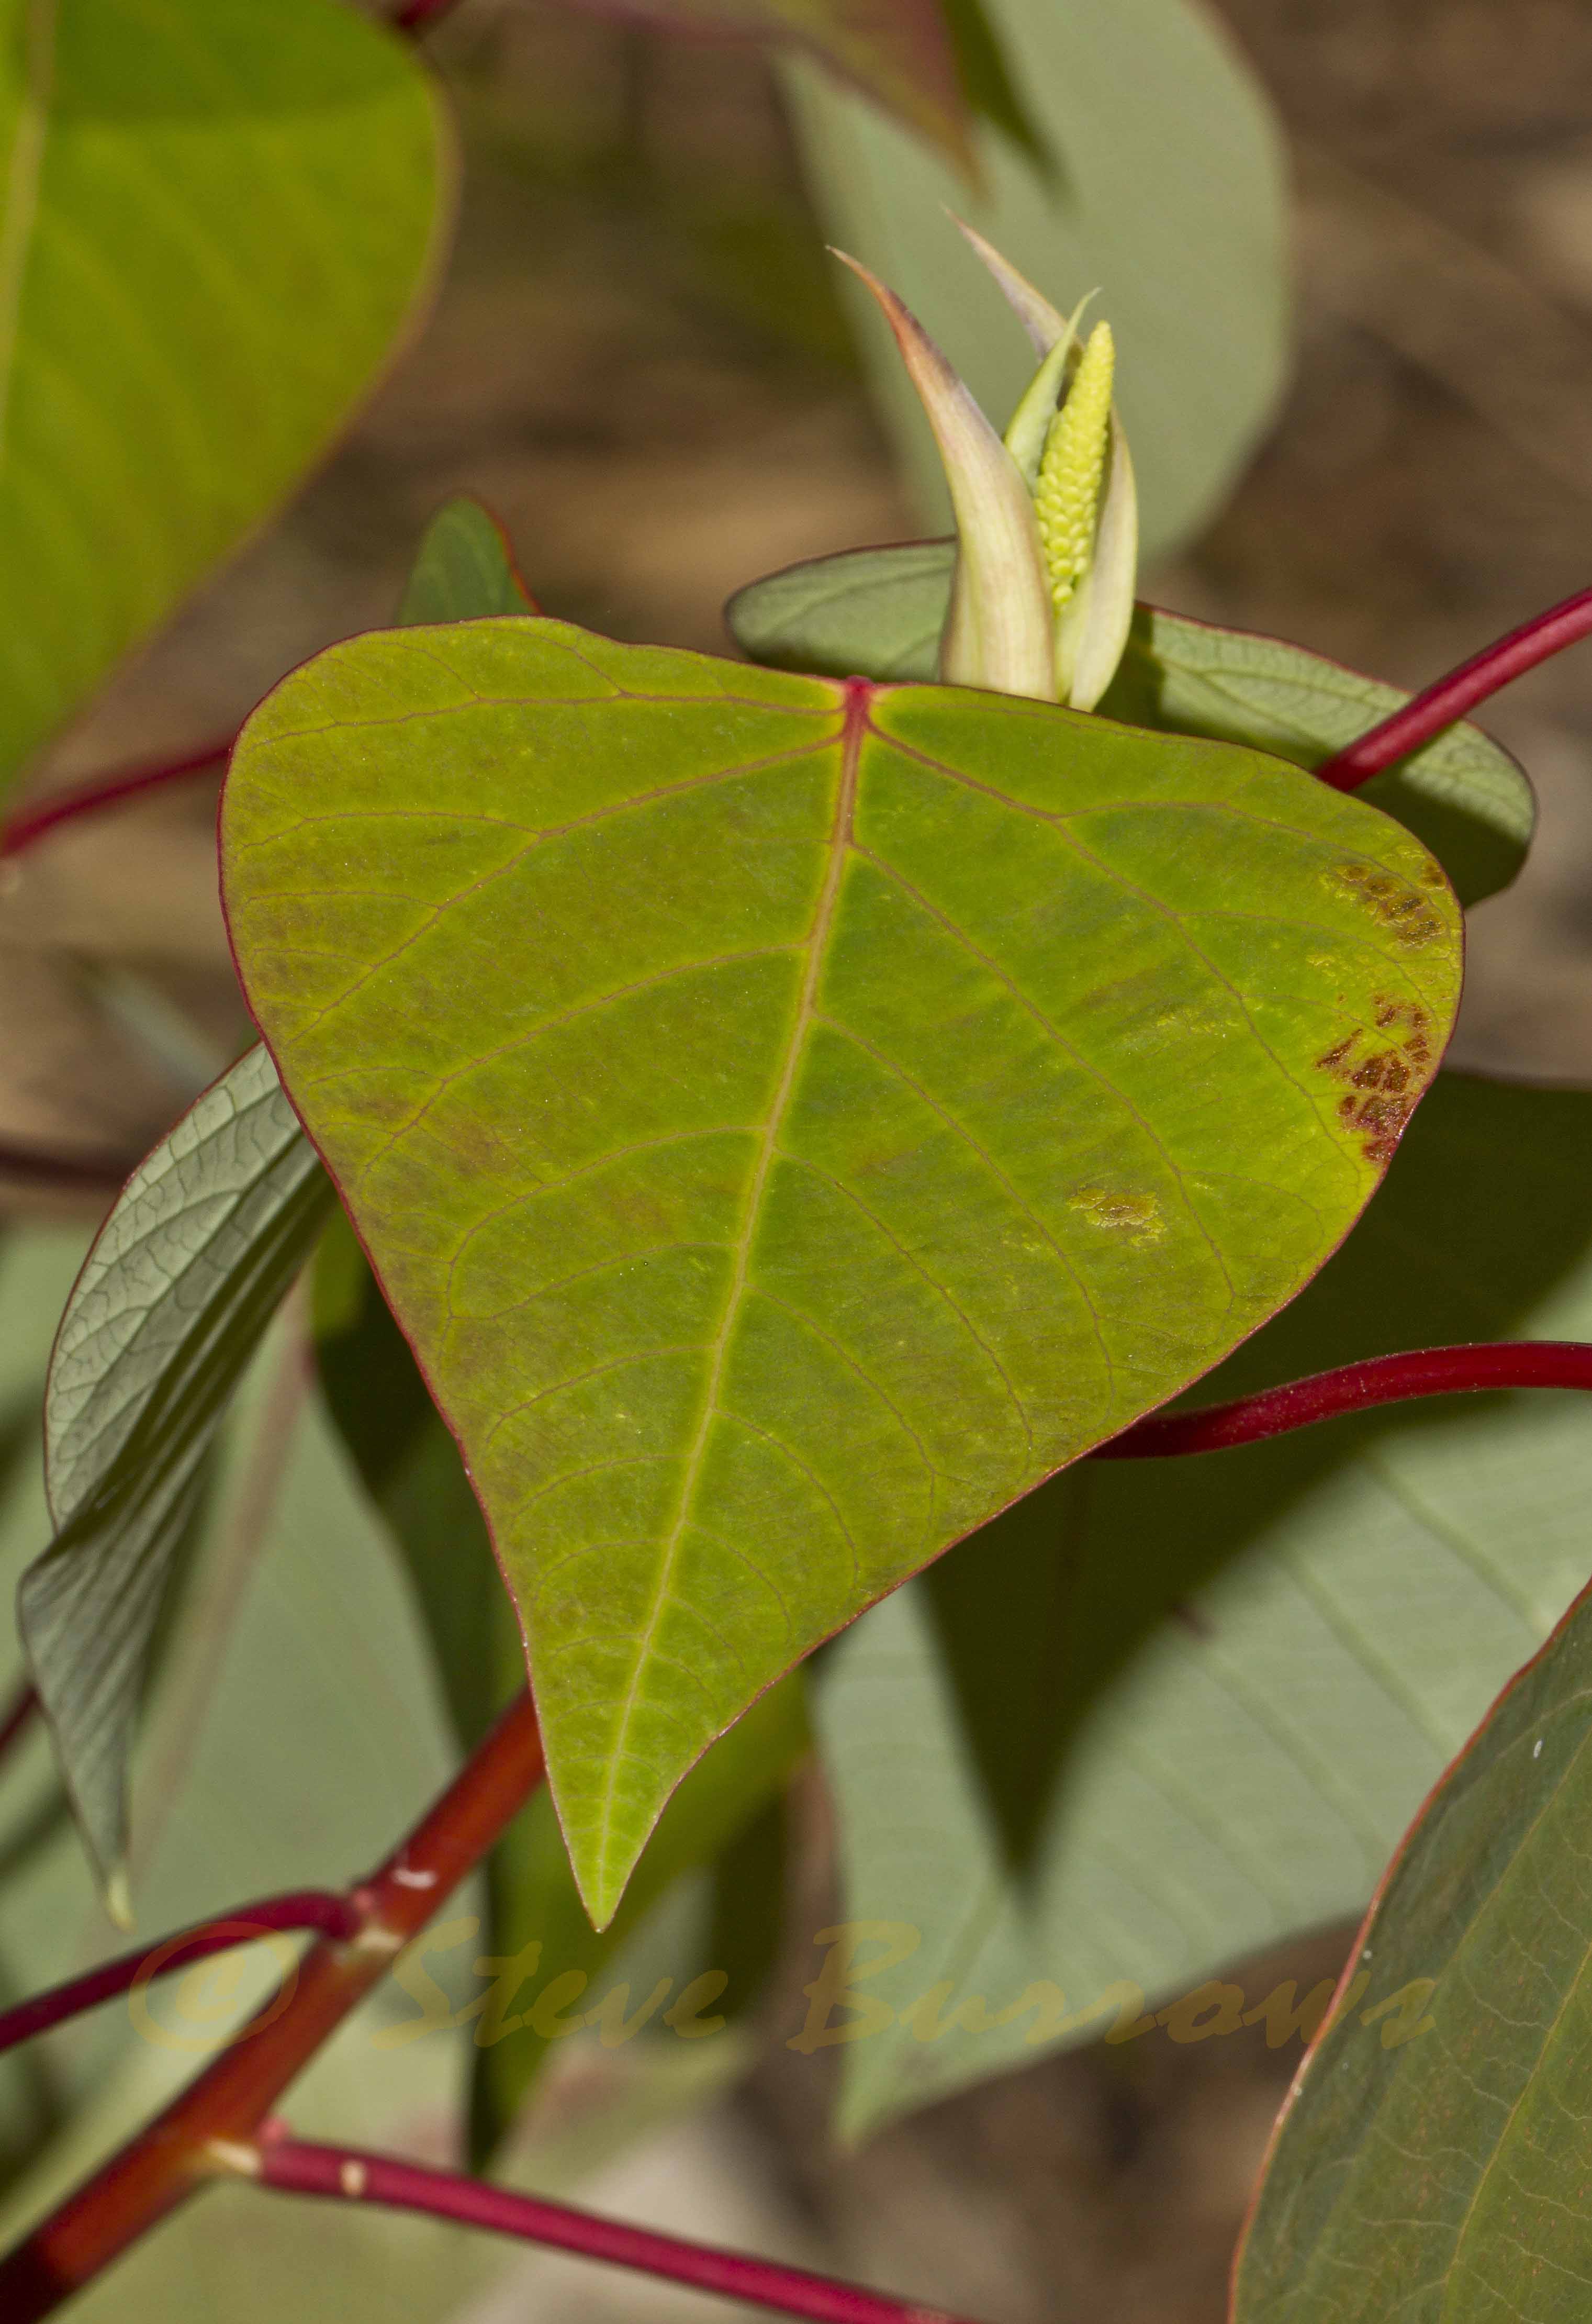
{"x":816,"y":945}
{"x":22,"y":178}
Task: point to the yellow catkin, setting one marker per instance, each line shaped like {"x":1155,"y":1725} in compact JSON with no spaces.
{"x":1066,"y":498}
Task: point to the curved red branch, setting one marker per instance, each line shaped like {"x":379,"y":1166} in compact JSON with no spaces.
{"x":1444,"y":703}
{"x":1354,"y":1387}
{"x":301,"y":1908}
{"x":295,"y":2166}
{"x":170,"y":2159}
{"x":19,"y":1716}
{"x":30,"y":825}
{"x":416,"y":15}
{"x":67,"y":1174}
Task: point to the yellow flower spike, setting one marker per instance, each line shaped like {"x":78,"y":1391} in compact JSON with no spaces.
{"x":1093,"y":631}
{"x":1073,"y":468}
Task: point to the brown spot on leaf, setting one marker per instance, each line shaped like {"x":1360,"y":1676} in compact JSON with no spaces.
{"x":1382,"y":1079}
{"x":1403,"y":911}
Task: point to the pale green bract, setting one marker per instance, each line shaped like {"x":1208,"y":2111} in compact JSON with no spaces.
{"x":1047,"y":551}
{"x":790,"y":1119}
{"x":216,"y":219}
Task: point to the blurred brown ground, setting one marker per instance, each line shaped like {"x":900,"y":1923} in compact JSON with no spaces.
{"x":638,"y":362}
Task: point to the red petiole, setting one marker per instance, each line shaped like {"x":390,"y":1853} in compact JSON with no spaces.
{"x":1444,"y":703}
{"x":1354,"y":1387}
{"x":317,"y":1909}
{"x":294,"y":2166}
{"x":167,"y":2160}
{"x":67,"y":1174}
{"x":31,"y":823}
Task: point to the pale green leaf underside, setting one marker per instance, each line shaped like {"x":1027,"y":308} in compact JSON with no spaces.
{"x":919,"y":1856}
{"x":1446,"y":2177}
{"x":182,"y":1279}
{"x":879,"y":612}
{"x":215,"y":217}
{"x":789,"y":1121}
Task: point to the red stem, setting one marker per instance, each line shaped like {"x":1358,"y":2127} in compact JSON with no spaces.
{"x":1442,"y":704}
{"x":66,"y":1173}
{"x":29,"y":824}
{"x":297,"y":2167}
{"x":1354,"y":1387}
{"x":416,"y":15}
{"x":169,"y":2160}
{"x":18,"y":1716}
{"x":299,"y":1908}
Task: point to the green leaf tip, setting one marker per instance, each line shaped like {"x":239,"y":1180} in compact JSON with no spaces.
{"x":742,"y":1084}
{"x":117,"y":1896}
{"x":1074,"y":542}
{"x":465,"y":568}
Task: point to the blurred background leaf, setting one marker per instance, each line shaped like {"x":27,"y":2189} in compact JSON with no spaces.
{"x":918,"y":62}
{"x":1137,"y":98}
{"x":219,"y":220}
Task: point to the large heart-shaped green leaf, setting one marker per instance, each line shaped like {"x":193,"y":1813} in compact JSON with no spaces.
{"x":1170,"y":196}
{"x":1432,"y":2160}
{"x":879,"y":612}
{"x":791,"y":1118}
{"x":217,"y":217}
